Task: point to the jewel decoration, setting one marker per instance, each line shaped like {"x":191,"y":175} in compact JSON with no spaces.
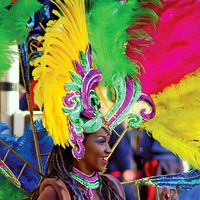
{"x":89,"y":182}
{"x":82,"y":103}
{"x":145,"y":98}
{"x":128,"y":92}
{"x":143,"y":109}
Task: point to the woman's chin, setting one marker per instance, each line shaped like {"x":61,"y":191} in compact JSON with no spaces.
{"x":102,"y":169}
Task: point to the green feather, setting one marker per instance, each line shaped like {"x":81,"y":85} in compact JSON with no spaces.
{"x":108,"y":22}
{"x":10,"y":191}
{"x":89,"y":4}
{"x":4,"y":3}
{"x":5,"y":52}
{"x":15,"y":18}
{"x":13,"y":29}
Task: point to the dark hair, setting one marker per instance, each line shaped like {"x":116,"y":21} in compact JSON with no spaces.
{"x":60,"y":163}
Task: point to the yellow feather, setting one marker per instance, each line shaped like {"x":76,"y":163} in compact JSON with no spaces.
{"x":176,"y":124}
{"x":61,"y":44}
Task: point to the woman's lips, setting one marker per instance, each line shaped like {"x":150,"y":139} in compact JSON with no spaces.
{"x":104,"y":160}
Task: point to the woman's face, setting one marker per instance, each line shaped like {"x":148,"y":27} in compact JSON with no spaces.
{"x":97,"y":151}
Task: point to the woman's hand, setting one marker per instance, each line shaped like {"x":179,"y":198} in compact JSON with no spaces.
{"x":128,"y":175}
{"x":169,"y":194}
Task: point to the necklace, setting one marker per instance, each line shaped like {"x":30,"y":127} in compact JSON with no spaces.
{"x":89,"y":182}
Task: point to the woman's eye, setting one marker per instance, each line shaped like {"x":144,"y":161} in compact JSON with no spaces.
{"x":100,"y":141}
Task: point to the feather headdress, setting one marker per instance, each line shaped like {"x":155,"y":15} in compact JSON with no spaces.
{"x":67,"y":76}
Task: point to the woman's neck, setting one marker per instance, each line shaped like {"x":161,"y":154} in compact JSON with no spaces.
{"x":82,"y":168}
{"x":91,"y":178}
{"x":88,"y":182}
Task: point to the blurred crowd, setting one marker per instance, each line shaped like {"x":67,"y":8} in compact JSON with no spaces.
{"x":138,"y":155}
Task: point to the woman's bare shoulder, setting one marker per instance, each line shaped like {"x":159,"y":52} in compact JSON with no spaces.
{"x":53,"y":189}
{"x":48,"y":193}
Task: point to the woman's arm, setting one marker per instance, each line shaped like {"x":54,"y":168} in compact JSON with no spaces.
{"x":49,"y":193}
{"x":53,"y":189}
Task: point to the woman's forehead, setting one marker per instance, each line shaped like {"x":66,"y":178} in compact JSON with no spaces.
{"x":107,"y":129}
{"x":101,"y":132}
{"x":104,"y":131}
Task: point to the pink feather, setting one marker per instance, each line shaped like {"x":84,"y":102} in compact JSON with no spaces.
{"x":175,"y":50}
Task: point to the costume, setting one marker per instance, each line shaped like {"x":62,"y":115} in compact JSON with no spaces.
{"x":81,"y":101}
{"x":63,"y":193}
{"x":68,"y":76}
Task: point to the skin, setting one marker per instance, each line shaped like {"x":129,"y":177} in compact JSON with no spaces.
{"x":97,"y":150}
{"x":169,"y":194}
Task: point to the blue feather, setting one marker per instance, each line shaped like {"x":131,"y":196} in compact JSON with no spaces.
{"x":24,"y":145}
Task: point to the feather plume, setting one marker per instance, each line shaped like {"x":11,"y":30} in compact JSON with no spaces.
{"x":63,"y":40}
{"x":174,"y":52}
{"x":13,"y":29}
{"x":186,"y":180}
{"x":108,"y":22}
{"x":176,"y":124}
{"x":6,"y":51}
{"x":24,"y":145}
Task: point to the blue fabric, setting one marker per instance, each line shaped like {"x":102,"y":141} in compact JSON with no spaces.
{"x":150,"y":149}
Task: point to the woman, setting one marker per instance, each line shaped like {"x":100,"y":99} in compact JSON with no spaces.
{"x":65,"y":90}
{"x":70,"y":178}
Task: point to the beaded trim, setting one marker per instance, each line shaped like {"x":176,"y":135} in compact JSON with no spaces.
{"x":89,"y":182}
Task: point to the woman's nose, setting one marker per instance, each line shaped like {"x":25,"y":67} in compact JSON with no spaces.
{"x":108,"y":149}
